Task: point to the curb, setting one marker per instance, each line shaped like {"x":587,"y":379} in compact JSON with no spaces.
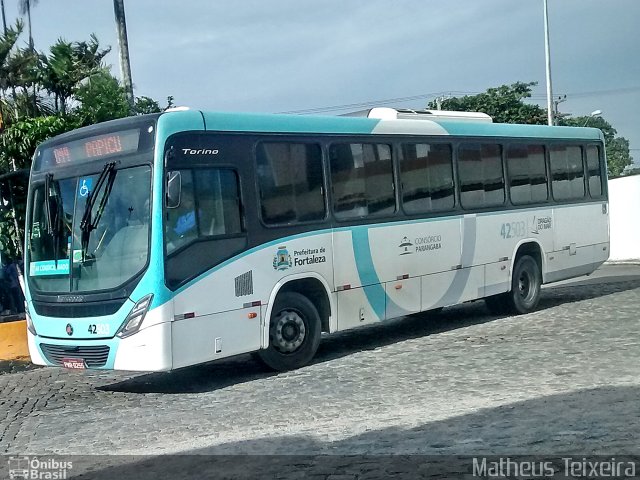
{"x":13,"y":341}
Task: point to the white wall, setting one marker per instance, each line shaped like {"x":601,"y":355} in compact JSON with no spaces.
{"x":624,"y":203}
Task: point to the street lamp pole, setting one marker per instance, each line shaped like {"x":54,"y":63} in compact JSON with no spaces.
{"x":595,"y":113}
{"x":548,"y":60}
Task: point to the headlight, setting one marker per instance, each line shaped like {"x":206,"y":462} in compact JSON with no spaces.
{"x":134,"y":320}
{"x":27,"y":315}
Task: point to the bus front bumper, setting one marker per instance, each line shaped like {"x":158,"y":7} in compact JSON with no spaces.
{"x":148,"y":350}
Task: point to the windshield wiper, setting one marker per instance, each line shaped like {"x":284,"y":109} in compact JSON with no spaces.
{"x":52,"y":230}
{"x":87,"y":224}
{"x":47,"y":202}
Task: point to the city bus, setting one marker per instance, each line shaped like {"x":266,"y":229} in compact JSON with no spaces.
{"x":162,"y":241}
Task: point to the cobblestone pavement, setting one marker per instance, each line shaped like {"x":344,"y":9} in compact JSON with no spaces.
{"x":563,"y":379}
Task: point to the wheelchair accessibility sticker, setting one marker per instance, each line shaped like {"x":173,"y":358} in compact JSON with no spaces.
{"x":85,"y":186}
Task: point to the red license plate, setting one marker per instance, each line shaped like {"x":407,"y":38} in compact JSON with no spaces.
{"x":74,"y":363}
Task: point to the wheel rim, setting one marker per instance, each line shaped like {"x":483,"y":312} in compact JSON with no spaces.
{"x":289,"y":331}
{"x":526,"y":286}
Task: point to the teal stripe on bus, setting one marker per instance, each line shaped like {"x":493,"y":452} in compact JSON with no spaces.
{"x":250,"y":122}
{"x":542,"y":132}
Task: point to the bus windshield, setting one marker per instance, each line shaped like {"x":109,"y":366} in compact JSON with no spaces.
{"x":67,"y":256}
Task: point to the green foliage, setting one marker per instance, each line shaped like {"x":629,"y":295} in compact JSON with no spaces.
{"x":505,"y":104}
{"x":617,"y":148}
{"x":101,"y":98}
{"x":14,"y":195}
{"x":7,"y":44}
{"x":43,"y":95}
{"x":20,"y":139}
{"x":144,"y":105}
{"x":17,"y":144}
{"x":67,"y":66}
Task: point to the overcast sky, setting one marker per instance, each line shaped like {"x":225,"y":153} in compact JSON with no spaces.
{"x":293,"y":55}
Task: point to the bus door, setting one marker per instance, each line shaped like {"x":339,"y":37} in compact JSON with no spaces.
{"x":217,"y":313}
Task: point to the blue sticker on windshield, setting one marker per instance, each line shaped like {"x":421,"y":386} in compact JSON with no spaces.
{"x":49,"y":267}
{"x":84,"y":188}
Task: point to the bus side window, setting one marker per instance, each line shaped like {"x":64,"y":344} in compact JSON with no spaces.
{"x":481,"y":175}
{"x":218,"y":202}
{"x":527,"y":174}
{"x":594,"y":170}
{"x":362,"y":179}
{"x":567,"y":172}
{"x":290,"y":180}
{"x":426,"y":171}
{"x":180,"y":222}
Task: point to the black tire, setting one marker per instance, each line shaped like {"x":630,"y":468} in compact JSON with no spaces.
{"x":294,"y":333}
{"x":525,"y":289}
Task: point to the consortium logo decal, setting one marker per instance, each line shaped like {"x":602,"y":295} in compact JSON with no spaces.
{"x":420,"y":244}
{"x":406,"y":246}
{"x":282,"y":259}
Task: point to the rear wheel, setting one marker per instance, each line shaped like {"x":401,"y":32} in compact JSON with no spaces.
{"x":294,"y":332}
{"x":525,"y":289}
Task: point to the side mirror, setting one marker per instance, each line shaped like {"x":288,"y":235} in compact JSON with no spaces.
{"x":174,"y":189}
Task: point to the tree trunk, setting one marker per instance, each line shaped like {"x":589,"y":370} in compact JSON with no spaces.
{"x":123,"y":44}
{"x":29,"y":22}
{"x":4,"y":17}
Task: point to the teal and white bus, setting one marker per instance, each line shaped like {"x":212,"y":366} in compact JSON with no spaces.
{"x":162,"y":241}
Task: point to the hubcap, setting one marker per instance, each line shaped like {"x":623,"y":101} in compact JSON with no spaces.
{"x":289,"y":331}
{"x":524,"y":286}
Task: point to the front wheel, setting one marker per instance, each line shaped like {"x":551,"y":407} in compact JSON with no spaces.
{"x":294,"y":332}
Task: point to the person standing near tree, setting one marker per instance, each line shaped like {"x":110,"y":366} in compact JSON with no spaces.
{"x":14,"y":287}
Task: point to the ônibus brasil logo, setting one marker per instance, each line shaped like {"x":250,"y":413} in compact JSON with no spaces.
{"x":38,"y":468}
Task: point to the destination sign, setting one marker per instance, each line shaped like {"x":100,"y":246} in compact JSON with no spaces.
{"x":91,"y":148}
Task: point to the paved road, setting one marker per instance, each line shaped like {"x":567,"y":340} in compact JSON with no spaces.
{"x":564,"y":379}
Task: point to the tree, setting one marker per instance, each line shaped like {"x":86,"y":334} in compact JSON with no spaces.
{"x":617,"y":148}
{"x":101,"y":98}
{"x":7,"y":69}
{"x":17,"y":144}
{"x":505,"y":104}
{"x":25,"y":8}
{"x":4,"y":17}
{"x":123,"y":44}
{"x":50,"y":94}
{"x":69,"y":64}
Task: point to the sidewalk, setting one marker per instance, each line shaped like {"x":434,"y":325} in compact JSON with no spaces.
{"x":13,"y":340}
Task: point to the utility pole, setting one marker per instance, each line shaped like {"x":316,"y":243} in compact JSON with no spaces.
{"x":556,"y":112}
{"x":547,"y":52}
{"x":123,"y":43}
